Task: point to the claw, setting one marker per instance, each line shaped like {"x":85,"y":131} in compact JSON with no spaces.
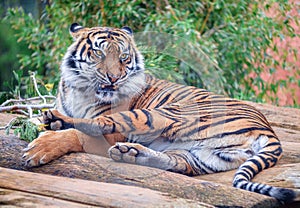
{"x":29,"y":147}
{"x":24,"y":155}
{"x":29,"y":162}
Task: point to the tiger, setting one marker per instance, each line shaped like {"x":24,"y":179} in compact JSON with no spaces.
{"x":108,"y":105}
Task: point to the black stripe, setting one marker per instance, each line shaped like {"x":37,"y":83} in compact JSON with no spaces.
{"x":100,"y":112}
{"x":88,"y":41}
{"x":201,"y":128}
{"x":149,"y":118}
{"x":71,"y":62}
{"x":113,"y":128}
{"x":248,"y":167}
{"x":245,"y":175}
{"x":183,"y":95}
{"x":257,"y":163}
{"x":265,"y":160}
{"x":128,"y":121}
{"x":135,"y":114}
{"x":103,"y":41}
{"x":249,"y":188}
{"x":99,"y":32}
{"x":228,"y":146}
{"x":247,"y":172}
{"x":241,"y":131}
{"x":201,"y":96}
{"x":163,"y":101}
{"x":249,"y":108}
{"x":265,"y":190}
{"x":82,"y":51}
{"x":224,"y":157}
{"x":273,"y":144}
{"x":236,"y":182}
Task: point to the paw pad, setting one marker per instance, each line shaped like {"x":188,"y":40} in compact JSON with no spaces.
{"x":123,"y":153}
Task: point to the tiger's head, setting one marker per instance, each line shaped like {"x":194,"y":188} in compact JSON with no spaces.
{"x":103,"y":62}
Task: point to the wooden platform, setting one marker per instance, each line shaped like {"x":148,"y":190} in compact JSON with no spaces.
{"x":102,"y":182}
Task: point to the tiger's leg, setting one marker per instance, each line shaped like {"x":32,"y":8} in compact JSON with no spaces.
{"x":197,"y":160}
{"x":138,"y":121}
{"x":50,"y":145}
{"x":175,"y":160}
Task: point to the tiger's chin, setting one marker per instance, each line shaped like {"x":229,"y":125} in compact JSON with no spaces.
{"x":104,"y":97}
{"x":112,"y":94}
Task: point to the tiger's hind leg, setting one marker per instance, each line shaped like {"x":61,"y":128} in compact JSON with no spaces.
{"x":196,"y":160}
{"x":174,"y":160}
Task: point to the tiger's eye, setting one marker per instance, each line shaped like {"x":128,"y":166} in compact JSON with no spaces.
{"x":99,"y":53}
{"x":124,"y":56}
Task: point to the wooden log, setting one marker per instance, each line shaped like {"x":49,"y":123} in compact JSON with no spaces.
{"x":13,"y":198}
{"x":96,"y":168}
{"x":32,"y":189}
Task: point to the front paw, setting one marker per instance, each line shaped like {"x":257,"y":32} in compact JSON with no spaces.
{"x":49,"y":146}
{"x":41,"y":150}
{"x":56,"y":121}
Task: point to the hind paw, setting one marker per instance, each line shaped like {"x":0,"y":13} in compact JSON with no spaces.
{"x":131,"y":153}
{"x":125,"y":152}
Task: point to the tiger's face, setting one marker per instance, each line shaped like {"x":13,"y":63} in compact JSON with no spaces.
{"x":103,"y":62}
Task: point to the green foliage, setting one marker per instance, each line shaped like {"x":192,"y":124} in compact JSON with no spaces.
{"x":24,"y":128}
{"x":9,"y":56}
{"x":235,"y":36}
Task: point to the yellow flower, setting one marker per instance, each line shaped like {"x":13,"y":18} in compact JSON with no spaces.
{"x":49,"y":87}
{"x":41,"y":127}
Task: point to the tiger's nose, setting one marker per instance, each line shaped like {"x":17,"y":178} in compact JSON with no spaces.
{"x":112,"y":77}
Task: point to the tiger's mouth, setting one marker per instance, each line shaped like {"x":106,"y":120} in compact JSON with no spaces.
{"x":106,"y":88}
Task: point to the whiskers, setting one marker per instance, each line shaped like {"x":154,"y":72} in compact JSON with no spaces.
{"x":92,"y":86}
{"x":134,"y":85}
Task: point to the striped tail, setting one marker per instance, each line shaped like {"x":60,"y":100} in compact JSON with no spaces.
{"x":267,"y":156}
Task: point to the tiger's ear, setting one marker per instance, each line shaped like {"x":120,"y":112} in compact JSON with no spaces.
{"x":74,"y":30}
{"x":128,"y":30}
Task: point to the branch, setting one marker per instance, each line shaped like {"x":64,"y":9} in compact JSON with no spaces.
{"x":210,"y":32}
{"x":210,"y":9}
{"x":10,"y":123}
{"x":36,"y":87}
{"x":16,"y":101}
{"x":27,"y":106}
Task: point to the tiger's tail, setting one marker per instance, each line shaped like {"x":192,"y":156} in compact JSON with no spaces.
{"x":269,"y":151}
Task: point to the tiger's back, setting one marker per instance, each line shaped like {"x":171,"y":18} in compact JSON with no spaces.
{"x":161,"y":124}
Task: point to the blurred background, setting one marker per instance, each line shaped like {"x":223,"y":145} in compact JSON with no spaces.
{"x":252,"y":46}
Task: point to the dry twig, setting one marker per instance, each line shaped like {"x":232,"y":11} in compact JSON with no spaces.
{"x":27,"y":106}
